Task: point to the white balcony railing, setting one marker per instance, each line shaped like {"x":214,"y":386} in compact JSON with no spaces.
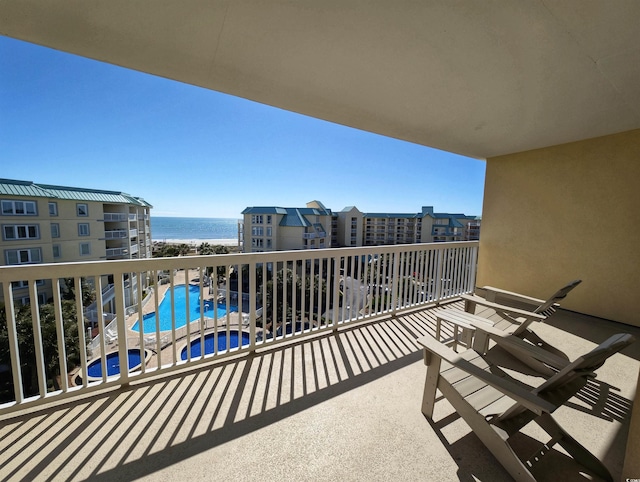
{"x":115,"y":234}
{"x":286,"y":295}
{"x":116,"y":252}
{"x":115,"y":217}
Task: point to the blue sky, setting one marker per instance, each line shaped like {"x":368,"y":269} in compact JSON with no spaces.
{"x":193,"y":152}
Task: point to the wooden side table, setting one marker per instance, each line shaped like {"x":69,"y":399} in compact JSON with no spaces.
{"x":463,"y":324}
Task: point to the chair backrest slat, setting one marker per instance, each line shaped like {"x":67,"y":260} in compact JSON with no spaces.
{"x":557,"y":296}
{"x":564,"y":384}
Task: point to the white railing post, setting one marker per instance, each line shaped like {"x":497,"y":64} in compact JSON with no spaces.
{"x":439,"y":274}
{"x":82,"y":341}
{"x":395,"y":282}
{"x":37,"y":338}
{"x":472,"y":269}
{"x":62,"y":350}
{"x":122,"y":330}
{"x":14,"y":349}
{"x":252,"y":307}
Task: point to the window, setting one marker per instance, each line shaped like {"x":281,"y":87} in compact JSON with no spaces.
{"x":257,"y":231}
{"x":42,"y":299}
{"x":21,"y":231}
{"x":256,"y":219}
{"x":83,"y":229}
{"x":268,"y":243}
{"x":269,"y":231}
{"x":269,"y":219}
{"x":19,"y":208}
{"x":53,"y":209}
{"x":25,"y":284}
{"x":257,"y":242}
{"x":55,"y":230}
{"x":57,"y":252}
{"x":85,"y":249}
{"x":23,"y":256}
{"x":82,"y":209}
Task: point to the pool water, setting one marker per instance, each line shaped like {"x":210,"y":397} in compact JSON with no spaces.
{"x":209,"y":340}
{"x":180,"y":301}
{"x":113,"y":363}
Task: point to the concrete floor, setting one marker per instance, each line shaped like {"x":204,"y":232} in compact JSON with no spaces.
{"x":341,"y":407}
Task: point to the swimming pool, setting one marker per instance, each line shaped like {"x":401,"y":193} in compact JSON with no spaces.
{"x":209,"y":339}
{"x":94,"y":369}
{"x":180,"y":300}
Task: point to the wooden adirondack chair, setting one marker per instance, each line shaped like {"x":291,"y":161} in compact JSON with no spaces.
{"x":496,"y":406}
{"x":513,"y":313}
{"x":527,"y":303}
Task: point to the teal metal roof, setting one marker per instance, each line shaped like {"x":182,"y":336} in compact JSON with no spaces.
{"x":12,"y":187}
{"x":264,"y":210}
{"x":285,"y":211}
{"x":295,"y":218}
{"x":9,"y":187}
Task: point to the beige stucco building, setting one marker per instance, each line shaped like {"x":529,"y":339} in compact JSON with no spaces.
{"x":42,"y":223}
{"x":271,"y":228}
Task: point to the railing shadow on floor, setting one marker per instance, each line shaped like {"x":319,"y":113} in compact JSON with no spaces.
{"x":139,"y":429}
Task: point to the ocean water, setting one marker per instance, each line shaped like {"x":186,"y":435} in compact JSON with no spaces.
{"x":193,"y":229}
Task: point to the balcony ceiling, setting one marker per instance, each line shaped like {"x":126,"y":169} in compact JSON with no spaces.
{"x":476,"y":78}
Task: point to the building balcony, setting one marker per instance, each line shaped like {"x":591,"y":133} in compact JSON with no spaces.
{"x":115,"y":217}
{"x":115,"y":253}
{"x":116,"y":234}
{"x":340,"y":393}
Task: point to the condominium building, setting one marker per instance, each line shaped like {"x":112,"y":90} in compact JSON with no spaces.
{"x":276,"y":228}
{"x":273,"y":228}
{"x":43,"y":223}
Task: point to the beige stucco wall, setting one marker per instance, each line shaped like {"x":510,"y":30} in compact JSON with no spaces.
{"x":564,"y":212}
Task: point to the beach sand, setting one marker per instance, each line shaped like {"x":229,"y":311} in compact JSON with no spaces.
{"x":198,"y":242}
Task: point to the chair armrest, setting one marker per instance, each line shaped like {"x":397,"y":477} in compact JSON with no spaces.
{"x":520,"y":348}
{"x":530,"y":400}
{"x":515,"y":312}
{"x":492,"y":291}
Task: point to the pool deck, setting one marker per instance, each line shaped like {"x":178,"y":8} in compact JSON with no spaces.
{"x":231,"y":321}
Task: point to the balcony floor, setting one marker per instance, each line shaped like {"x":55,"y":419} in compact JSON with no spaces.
{"x":343,"y":406}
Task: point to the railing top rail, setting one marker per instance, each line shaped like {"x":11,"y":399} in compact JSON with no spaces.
{"x":92,"y":268}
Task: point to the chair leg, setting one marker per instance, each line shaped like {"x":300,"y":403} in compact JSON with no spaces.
{"x":493,"y":437}
{"x":430,"y":384}
{"x":480,"y":341}
{"x":571,"y":445}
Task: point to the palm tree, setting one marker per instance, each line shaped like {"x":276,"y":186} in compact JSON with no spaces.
{"x":184,"y":249}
